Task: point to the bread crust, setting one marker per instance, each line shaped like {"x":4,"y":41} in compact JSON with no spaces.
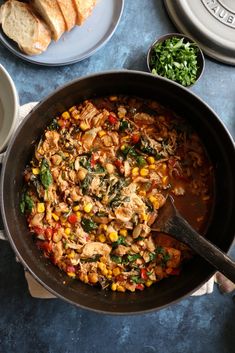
{"x":84,"y":9}
{"x":37,"y":37}
{"x":69,"y":13}
{"x":50,"y":12}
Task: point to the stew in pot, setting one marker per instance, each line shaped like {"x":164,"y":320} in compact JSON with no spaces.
{"x":96,"y":181}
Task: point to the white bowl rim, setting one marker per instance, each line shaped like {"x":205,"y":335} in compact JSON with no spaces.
{"x":16,"y":108}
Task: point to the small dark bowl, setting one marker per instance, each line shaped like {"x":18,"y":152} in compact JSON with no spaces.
{"x":200,"y":56}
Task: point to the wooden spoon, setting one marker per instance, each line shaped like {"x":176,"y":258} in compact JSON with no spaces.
{"x":171,"y":222}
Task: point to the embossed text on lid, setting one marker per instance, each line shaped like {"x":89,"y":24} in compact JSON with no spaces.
{"x":211,"y":23}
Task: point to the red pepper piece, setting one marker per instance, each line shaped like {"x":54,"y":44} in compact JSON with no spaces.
{"x":38,"y":230}
{"x":143,"y":273}
{"x":44,"y":246}
{"x":71,"y":269}
{"x":119,"y":164}
{"x":92,"y":161}
{"x":135,"y":138}
{"x":139,"y":286}
{"x":72,"y":218}
{"x":49,"y":233}
{"x":112,"y":119}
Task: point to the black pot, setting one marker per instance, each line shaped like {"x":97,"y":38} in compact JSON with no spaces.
{"x":220,"y":148}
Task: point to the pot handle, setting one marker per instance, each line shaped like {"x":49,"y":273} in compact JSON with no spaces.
{"x":2,"y":236}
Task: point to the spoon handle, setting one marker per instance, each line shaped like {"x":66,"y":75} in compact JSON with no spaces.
{"x":181,"y":229}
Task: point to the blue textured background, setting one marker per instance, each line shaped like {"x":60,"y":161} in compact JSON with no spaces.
{"x":196,"y":324}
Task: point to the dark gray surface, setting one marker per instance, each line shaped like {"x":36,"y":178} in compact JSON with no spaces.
{"x":196,"y":324}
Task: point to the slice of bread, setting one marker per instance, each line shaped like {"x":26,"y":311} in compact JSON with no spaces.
{"x":21,"y":25}
{"x":50,"y":11}
{"x":69,"y":13}
{"x":84,"y":9}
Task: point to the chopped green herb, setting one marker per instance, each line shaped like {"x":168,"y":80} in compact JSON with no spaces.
{"x":116,"y":259}
{"x":152,"y":256}
{"x":86,"y":183}
{"x":141,"y":162}
{"x":136,"y":279}
{"x":26,"y":203}
{"x":121,"y":240}
{"x":45,"y":174}
{"x":176,"y":59}
{"x":54,"y":125}
{"x":88,"y":224}
{"x":133,"y":257}
{"x":124,"y":125}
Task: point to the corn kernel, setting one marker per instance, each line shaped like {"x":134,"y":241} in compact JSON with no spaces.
{"x":163,"y":167}
{"x":113,"y":236}
{"x":68,"y":225}
{"x":152,"y":166}
{"x":88,"y":207}
{"x":40,"y":207}
{"x":103,"y":226}
{"x":78,"y":214}
{"x":152,"y":198}
{"x":144,"y":217}
{"x":151,"y":160}
{"x":103,"y":268}
{"x":35,"y":171}
{"x":120,"y":288}
{"x":84,"y":126}
{"x":76,"y":208}
{"x":71,"y":255}
{"x":165,"y":180}
{"x":123,"y":147}
{"x":144,"y":172}
{"x":71,"y":274}
{"x":66,"y":115}
{"x":102,"y":238}
{"x":62,"y":220}
{"x":109,"y":276}
{"x":56,"y":218}
{"x":148,"y":283}
{"x":116,"y":271}
{"x":123,"y":232}
{"x":114,"y":287}
{"x":76,"y":116}
{"x":72,"y":108}
{"x":135,"y":171}
{"x":67,"y":231}
{"x":142,"y":193}
{"x":101,"y":133}
{"x":156,"y":204}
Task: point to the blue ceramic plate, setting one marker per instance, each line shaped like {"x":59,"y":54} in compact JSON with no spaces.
{"x":80,"y":42}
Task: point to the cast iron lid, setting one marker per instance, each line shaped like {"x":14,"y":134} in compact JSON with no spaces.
{"x":211,"y":23}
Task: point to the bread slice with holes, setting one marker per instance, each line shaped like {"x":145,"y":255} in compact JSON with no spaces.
{"x":69,"y":13}
{"x":50,"y":11}
{"x":21,"y":25}
{"x":84,"y":9}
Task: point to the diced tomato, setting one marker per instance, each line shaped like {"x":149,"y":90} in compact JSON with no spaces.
{"x":135,"y":138}
{"x":139,"y":286}
{"x":143,"y":273}
{"x":175,"y":271}
{"x":71,"y":269}
{"x":44,"y":245}
{"x":119,"y":164}
{"x":72,"y":218}
{"x":112,"y":119}
{"x":49,"y":232}
{"x":92,"y":161}
{"x":38,"y":230}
